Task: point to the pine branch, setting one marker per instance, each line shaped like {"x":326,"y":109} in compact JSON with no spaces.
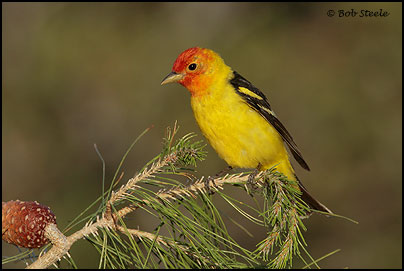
{"x":198,"y":239}
{"x":63,"y":244}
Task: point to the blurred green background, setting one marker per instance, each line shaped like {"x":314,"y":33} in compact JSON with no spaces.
{"x":75,"y":74}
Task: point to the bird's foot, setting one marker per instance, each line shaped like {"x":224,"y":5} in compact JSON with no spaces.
{"x":251,"y":185}
{"x":212,"y":180}
{"x":208,"y":186}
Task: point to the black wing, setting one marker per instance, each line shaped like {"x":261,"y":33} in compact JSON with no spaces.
{"x":259,"y":102}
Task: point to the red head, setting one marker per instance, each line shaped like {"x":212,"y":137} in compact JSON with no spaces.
{"x":195,"y":68}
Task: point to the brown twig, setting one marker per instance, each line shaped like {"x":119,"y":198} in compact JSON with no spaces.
{"x":62,"y":244}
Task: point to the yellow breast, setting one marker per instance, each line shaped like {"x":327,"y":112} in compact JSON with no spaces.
{"x":239,"y":134}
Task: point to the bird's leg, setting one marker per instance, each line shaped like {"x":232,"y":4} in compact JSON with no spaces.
{"x":212,"y":179}
{"x":251,"y":180}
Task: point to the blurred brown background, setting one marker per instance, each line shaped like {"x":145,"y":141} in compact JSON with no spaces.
{"x":75,"y":74}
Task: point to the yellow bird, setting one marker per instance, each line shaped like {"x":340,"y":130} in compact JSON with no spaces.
{"x":236,"y":117}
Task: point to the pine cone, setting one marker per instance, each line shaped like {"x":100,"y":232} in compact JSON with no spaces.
{"x":24,"y":222}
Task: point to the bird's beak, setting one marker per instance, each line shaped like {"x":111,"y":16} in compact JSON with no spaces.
{"x":172,"y":77}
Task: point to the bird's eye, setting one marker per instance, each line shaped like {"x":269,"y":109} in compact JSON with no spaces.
{"x":192,"y":66}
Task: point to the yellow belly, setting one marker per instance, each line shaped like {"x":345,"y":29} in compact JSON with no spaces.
{"x":240,"y":136}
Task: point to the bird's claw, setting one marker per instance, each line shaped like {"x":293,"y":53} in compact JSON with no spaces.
{"x":208,"y":187}
{"x":251,"y":185}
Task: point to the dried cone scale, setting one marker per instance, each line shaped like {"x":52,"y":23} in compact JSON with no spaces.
{"x":24,"y":222}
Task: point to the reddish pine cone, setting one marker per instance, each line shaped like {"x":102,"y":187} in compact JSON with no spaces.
{"x":24,"y":222}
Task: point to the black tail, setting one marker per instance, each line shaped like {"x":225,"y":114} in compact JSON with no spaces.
{"x":312,"y":202}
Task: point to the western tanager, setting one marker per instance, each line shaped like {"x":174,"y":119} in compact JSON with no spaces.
{"x":236,"y":117}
